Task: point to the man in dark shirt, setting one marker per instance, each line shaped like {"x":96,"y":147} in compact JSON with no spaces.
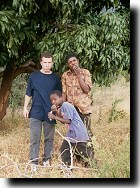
{"x":40,"y":84}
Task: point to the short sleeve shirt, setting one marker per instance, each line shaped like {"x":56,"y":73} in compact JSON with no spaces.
{"x":74,"y":94}
{"x":77,"y":129}
{"x":39,"y":88}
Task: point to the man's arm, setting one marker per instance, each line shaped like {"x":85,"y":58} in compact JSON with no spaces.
{"x":85,"y":88}
{"x":64,"y":96}
{"x":25,"y":109}
{"x":64,"y":87}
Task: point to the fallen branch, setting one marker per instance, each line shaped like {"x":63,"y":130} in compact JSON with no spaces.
{"x":71,"y":166}
{"x":14,"y":164}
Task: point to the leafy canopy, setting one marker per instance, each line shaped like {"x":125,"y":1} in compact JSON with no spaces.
{"x":97,"y":30}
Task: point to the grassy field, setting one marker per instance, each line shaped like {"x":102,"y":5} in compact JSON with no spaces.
{"x":111,"y":128}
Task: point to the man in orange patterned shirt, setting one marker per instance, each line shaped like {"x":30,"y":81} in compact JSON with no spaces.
{"x":76,"y":87}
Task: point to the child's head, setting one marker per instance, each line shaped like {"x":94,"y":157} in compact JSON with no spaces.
{"x":56,"y":98}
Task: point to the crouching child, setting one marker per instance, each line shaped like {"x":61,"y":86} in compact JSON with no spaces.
{"x":77,"y":133}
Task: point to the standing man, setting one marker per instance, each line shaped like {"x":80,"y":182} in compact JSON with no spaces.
{"x":76,"y":86}
{"x":40,"y":84}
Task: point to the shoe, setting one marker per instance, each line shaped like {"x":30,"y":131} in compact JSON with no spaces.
{"x":33,"y":167}
{"x":66,"y":168}
{"x":46,"y":163}
{"x":68,"y":172}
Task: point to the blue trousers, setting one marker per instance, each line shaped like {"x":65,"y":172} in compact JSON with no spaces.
{"x":35,"y":137}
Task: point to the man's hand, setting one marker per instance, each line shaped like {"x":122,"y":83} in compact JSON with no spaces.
{"x":25,"y":109}
{"x":77,"y":70}
{"x":26,"y":113}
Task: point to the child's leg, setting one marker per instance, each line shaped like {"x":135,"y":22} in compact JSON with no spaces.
{"x":65,"y":153}
{"x":84,"y":151}
{"x":76,"y":152}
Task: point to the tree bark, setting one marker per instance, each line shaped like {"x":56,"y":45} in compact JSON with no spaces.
{"x":8,"y":75}
{"x":5,"y":90}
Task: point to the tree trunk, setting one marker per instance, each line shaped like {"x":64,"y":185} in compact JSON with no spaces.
{"x":5,"y":90}
{"x":9,"y":74}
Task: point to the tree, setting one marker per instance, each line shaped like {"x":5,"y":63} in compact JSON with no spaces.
{"x":98,"y":32}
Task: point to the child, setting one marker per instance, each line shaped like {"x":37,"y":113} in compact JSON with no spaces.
{"x":77,"y":133}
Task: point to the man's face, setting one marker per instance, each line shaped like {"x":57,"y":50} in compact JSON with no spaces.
{"x":73,"y":61}
{"x":46,"y":64}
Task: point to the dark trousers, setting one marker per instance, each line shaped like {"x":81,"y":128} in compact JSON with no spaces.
{"x":80,"y":150}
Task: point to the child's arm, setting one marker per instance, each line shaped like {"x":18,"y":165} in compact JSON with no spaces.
{"x":55,"y":110}
{"x":62,"y":120}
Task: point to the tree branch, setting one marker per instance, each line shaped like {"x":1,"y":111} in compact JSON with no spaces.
{"x":27,"y":67}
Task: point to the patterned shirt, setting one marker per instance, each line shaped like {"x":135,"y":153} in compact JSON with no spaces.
{"x":74,"y":94}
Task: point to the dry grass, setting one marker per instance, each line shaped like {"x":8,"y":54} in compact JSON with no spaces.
{"x":111,"y":141}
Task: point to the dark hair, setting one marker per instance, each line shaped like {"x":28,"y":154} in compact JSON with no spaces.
{"x":46,"y":55}
{"x":72,"y":54}
{"x":57,"y":92}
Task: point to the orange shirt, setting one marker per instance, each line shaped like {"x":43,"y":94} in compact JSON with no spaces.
{"x":74,"y":94}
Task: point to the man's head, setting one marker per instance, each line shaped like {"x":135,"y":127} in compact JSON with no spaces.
{"x":46,"y":61}
{"x":72,"y":60}
{"x":46,"y":55}
{"x":56,"y":98}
